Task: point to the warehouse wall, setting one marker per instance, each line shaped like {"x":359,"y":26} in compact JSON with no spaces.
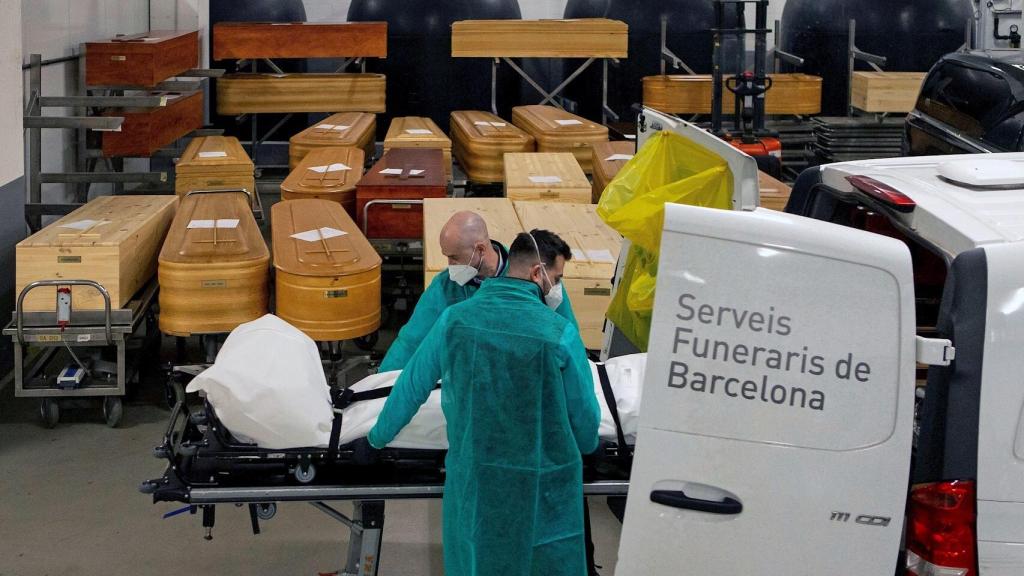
{"x":12,"y":187}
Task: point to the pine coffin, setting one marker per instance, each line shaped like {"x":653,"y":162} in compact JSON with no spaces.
{"x":214,"y":163}
{"x":345,"y":129}
{"x":499,"y":213}
{"x":595,"y":251}
{"x":142,"y":60}
{"x":545,"y":176}
{"x":327,"y":286}
{"x":284,"y":93}
{"x":480,"y":141}
{"x":113,"y":240}
{"x":254,"y":40}
{"x":556,"y":130}
{"x":886,"y":91}
{"x":213,"y":266}
{"x":774,"y":194}
{"x":146,"y":130}
{"x":419,"y":132}
{"x":326,"y":174}
{"x":385,"y":220}
{"x":691,"y":94}
{"x":573,"y":38}
{"x":609,"y":158}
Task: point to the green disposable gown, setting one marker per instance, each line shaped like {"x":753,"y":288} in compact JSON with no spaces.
{"x":519,"y":403}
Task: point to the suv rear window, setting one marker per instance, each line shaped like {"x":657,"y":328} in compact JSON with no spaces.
{"x":969,"y":99}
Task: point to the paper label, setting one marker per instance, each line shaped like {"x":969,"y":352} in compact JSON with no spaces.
{"x":83,"y":338}
{"x":578,"y":254}
{"x":84,"y":224}
{"x":221,"y":223}
{"x":630,"y":136}
{"x":545,"y":179}
{"x":216,"y":154}
{"x":495,"y":124}
{"x":413,"y":172}
{"x":338,"y":127}
{"x":600,"y":256}
{"x":316,"y":235}
{"x":392,"y":171}
{"x":336,"y":167}
{"x":417,"y":131}
{"x":614,"y":157}
{"x":569,"y":122}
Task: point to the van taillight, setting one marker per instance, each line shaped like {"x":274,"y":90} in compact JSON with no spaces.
{"x":941,"y":530}
{"x":882,"y":192}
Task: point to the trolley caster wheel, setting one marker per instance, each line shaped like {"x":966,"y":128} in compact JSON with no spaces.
{"x":49,"y":412}
{"x":266,"y":511}
{"x":305,"y":476}
{"x":367,"y":343}
{"x":113,"y":411}
{"x":174,"y":393}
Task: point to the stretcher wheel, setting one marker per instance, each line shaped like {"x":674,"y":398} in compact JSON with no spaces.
{"x":49,"y":412}
{"x":113,"y":411}
{"x":305,"y":476}
{"x":368,"y":342}
{"x":266,"y":511}
{"x":174,"y":392}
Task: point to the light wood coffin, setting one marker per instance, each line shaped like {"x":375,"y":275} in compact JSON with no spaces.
{"x":326,"y":174}
{"x":146,"y":130}
{"x":213,"y":266}
{"x":142,"y":60}
{"x":774,"y":194}
{"x":595,"y":250}
{"x":480,"y":141}
{"x":553,"y":177}
{"x":576,"y":38}
{"x":886,"y":91}
{"x":262,"y":93}
{"x":499,"y":214}
{"x":345,"y":129}
{"x":691,"y":94}
{"x":419,"y":132}
{"x":214,"y":163}
{"x":609,"y":158}
{"x":556,"y":130}
{"x":113,"y":240}
{"x":245,"y":40}
{"x":327,"y":285}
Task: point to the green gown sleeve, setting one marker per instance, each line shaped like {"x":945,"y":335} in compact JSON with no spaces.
{"x":418,"y":379}
{"x":580,"y":399}
{"x":424,"y":316}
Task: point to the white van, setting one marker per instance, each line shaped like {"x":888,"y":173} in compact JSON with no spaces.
{"x":777,"y":422}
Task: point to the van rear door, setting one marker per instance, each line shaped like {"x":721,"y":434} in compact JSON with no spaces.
{"x":775,"y":430}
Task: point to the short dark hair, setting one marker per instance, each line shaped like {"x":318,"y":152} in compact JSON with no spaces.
{"x":549,"y":245}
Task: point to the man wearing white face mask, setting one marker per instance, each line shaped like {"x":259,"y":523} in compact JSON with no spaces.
{"x":472,"y":258}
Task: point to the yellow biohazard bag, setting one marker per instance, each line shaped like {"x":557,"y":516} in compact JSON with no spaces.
{"x":669,"y":168}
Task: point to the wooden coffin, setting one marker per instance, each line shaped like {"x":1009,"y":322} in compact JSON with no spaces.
{"x":214,"y":163}
{"x":480,"y":141}
{"x":326,"y":174}
{"x":113,"y":240}
{"x":419,"y":132}
{"x":886,"y":91}
{"x":595,"y":250}
{"x":556,"y":130}
{"x":142,"y":60}
{"x":384,"y":220}
{"x":244,"y":40}
{"x":213,"y":266}
{"x":345,"y":129}
{"x":609,"y":158}
{"x":577,"y":38}
{"x":327,"y":284}
{"x":691,"y":94}
{"x":146,"y":130}
{"x":262,"y":93}
{"x":499,"y":214}
{"x":774,"y":194}
{"x":553,"y":177}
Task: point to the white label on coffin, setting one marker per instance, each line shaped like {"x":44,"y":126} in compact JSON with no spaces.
{"x":217,"y":154}
{"x":392,"y":171}
{"x":578,"y":254}
{"x":221,"y":223}
{"x":315,"y":235}
{"x":615,"y":157}
{"x":336,"y":167}
{"x":600,"y":256}
{"x":418,"y":131}
{"x":495,"y":124}
{"x":569,"y":122}
{"x":338,"y":127}
{"x":413,"y":172}
{"x":545,"y":179}
{"x":84,"y":224}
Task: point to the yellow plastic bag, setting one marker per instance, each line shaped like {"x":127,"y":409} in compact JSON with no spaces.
{"x":669,"y":168}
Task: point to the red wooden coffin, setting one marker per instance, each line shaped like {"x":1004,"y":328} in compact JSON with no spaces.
{"x":422,"y":175}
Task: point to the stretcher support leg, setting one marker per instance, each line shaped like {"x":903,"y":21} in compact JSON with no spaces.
{"x":364,"y":544}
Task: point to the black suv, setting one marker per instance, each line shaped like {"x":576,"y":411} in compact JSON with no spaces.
{"x":969,"y":103}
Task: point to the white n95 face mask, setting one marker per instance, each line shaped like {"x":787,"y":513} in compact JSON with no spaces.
{"x":461,"y":274}
{"x":554,"y":296}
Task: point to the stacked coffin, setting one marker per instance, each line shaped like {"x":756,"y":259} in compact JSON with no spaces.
{"x":326,"y":174}
{"x":572,"y":38}
{"x":554,"y":177}
{"x":499,"y":214}
{"x":773,"y":193}
{"x":609,"y":158}
{"x":419,"y":132}
{"x":556,"y":130}
{"x":346,"y":129}
{"x":480,"y":141}
{"x":797,"y":94}
{"x":214,"y":163}
{"x":146,"y":130}
{"x":880,"y":92}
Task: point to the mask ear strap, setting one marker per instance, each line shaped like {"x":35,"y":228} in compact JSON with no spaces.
{"x":543,"y":267}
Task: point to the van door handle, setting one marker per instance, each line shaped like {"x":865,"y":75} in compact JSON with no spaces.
{"x":679,"y":499}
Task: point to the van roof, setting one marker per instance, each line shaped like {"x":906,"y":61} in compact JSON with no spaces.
{"x":963,"y":201}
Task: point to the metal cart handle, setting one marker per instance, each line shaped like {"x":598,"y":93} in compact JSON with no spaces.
{"x":20,"y":312}
{"x":366,"y":208}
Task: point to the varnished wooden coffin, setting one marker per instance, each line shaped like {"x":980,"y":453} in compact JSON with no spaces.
{"x":146,"y":130}
{"x":326,"y":174}
{"x":556,"y":130}
{"x":345,"y":129}
{"x":214,"y":163}
{"x":213,"y":266}
{"x":595,"y":251}
{"x":480,"y":141}
{"x":142,"y":60}
{"x":499,"y":214}
{"x":609,"y":158}
{"x":262,"y":93}
{"x":113,"y":240}
{"x":327,"y":284}
{"x":419,"y":132}
{"x":545,"y":176}
{"x":691,"y":94}
{"x":576,"y":38}
{"x":397,"y":220}
{"x":774,"y":194}
{"x":243,"y":40}
{"x":886,"y":91}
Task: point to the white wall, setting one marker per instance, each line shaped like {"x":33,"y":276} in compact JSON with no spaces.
{"x":11,"y":161}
